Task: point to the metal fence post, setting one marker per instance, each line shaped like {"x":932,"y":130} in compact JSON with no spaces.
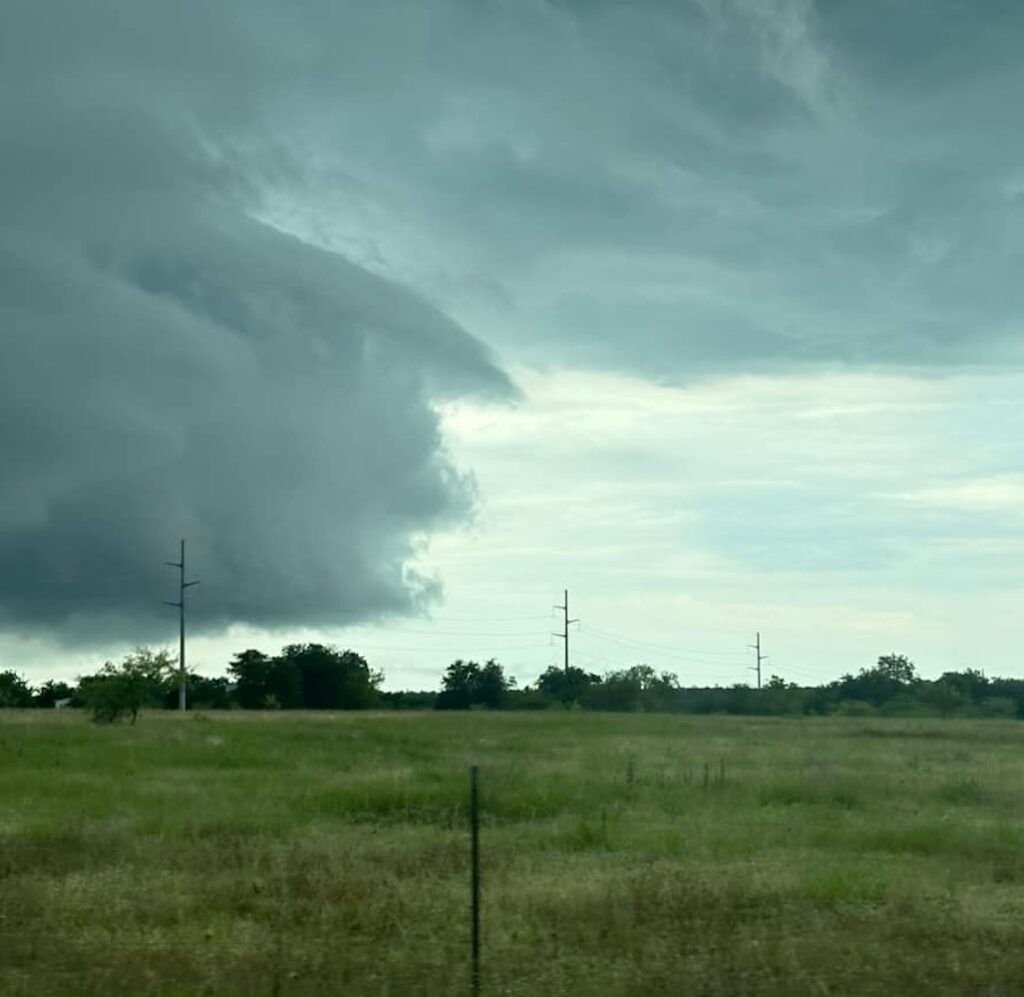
{"x":474,"y":832}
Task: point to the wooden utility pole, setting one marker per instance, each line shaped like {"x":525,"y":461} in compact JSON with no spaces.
{"x":756,"y":647}
{"x":564,"y":635}
{"x":182,"y":585}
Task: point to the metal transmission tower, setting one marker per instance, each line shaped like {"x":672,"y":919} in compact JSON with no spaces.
{"x":182,"y":585}
{"x":564,"y":635}
{"x":760,"y":657}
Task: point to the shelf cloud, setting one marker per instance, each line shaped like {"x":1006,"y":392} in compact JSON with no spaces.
{"x":174,"y":366}
{"x":249,"y":248}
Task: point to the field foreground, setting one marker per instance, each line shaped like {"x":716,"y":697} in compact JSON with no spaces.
{"x":638,"y":854}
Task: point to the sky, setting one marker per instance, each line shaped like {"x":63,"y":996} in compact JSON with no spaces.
{"x":410,"y":317}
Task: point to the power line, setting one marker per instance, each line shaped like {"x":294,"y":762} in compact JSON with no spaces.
{"x":724,"y":666}
{"x":594,"y":657}
{"x":470,"y":633}
{"x":493,"y":619}
{"x":590,"y":658}
{"x":803,"y":671}
{"x":182,"y":585}
{"x":654,"y":649}
{"x":670,"y":649}
{"x":452,"y":650}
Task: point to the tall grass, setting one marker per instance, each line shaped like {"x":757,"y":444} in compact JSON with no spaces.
{"x":300,"y":854}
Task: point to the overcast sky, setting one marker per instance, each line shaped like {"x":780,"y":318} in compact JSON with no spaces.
{"x":411,"y":315}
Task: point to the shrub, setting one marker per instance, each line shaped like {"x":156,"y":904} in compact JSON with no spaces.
{"x":119,"y":691}
{"x":14,"y":691}
{"x":998,"y":706}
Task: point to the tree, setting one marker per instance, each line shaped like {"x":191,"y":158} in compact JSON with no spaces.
{"x":466,"y":684}
{"x":314,"y":676}
{"x":457,"y":685}
{"x":14,"y":691}
{"x":567,"y":685}
{"x":998,"y":706}
{"x":262,"y":682}
{"x":662,"y":691}
{"x":492,"y":686}
{"x":945,"y":696}
{"x":117,"y":691}
{"x":251,"y":671}
{"x":639,"y":687}
{"x":970,"y":684}
{"x":1008,"y":689}
{"x":50,"y":693}
{"x":618,"y":690}
{"x":779,"y":696}
{"x":897,"y":668}
{"x":204,"y":693}
{"x":330,"y":679}
{"x":892,"y":675}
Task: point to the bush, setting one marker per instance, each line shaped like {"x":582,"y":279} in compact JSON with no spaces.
{"x":998,"y":706}
{"x":50,"y":693}
{"x":904,"y":705}
{"x":119,"y":691}
{"x":468,"y":684}
{"x":14,"y":691}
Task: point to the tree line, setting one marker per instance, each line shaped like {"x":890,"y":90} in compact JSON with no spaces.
{"x":323,"y":677}
{"x":889,"y":687}
{"x":301,"y":676}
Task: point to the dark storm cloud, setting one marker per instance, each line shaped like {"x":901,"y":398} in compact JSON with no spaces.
{"x":703,"y":187}
{"x":713,"y":187}
{"x":173,"y":367}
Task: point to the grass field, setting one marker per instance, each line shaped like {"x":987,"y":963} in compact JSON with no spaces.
{"x":284,"y":853}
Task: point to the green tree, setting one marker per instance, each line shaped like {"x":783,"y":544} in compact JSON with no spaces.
{"x":662,"y":692}
{"x":330,"y":679}
{"x":204,"y":693}
{"x":119,"y":691}
{"x":314,"y":676}
{"x":893,"y":675}
{"x":618,"y":690}
{"x":567,"y":685}
{"x":50,"y":693}
{"x":14,"y":691}
{"x":944,"y":696}
{"x":457,"y":685}
{"x":466,"y":684}
{"x":262,"y":682}
{"x":639,"y":687}
{"x":971,"y":685}
{"x":492,"y":686}
{"x":1007,"y":689}
{"x":898,"y":668}
{"x":998,"y":706}
{"x":779,"y":696}
{"x":251,"y":671}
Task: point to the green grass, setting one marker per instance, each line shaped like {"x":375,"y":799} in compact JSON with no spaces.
{"x":308,"y":854}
